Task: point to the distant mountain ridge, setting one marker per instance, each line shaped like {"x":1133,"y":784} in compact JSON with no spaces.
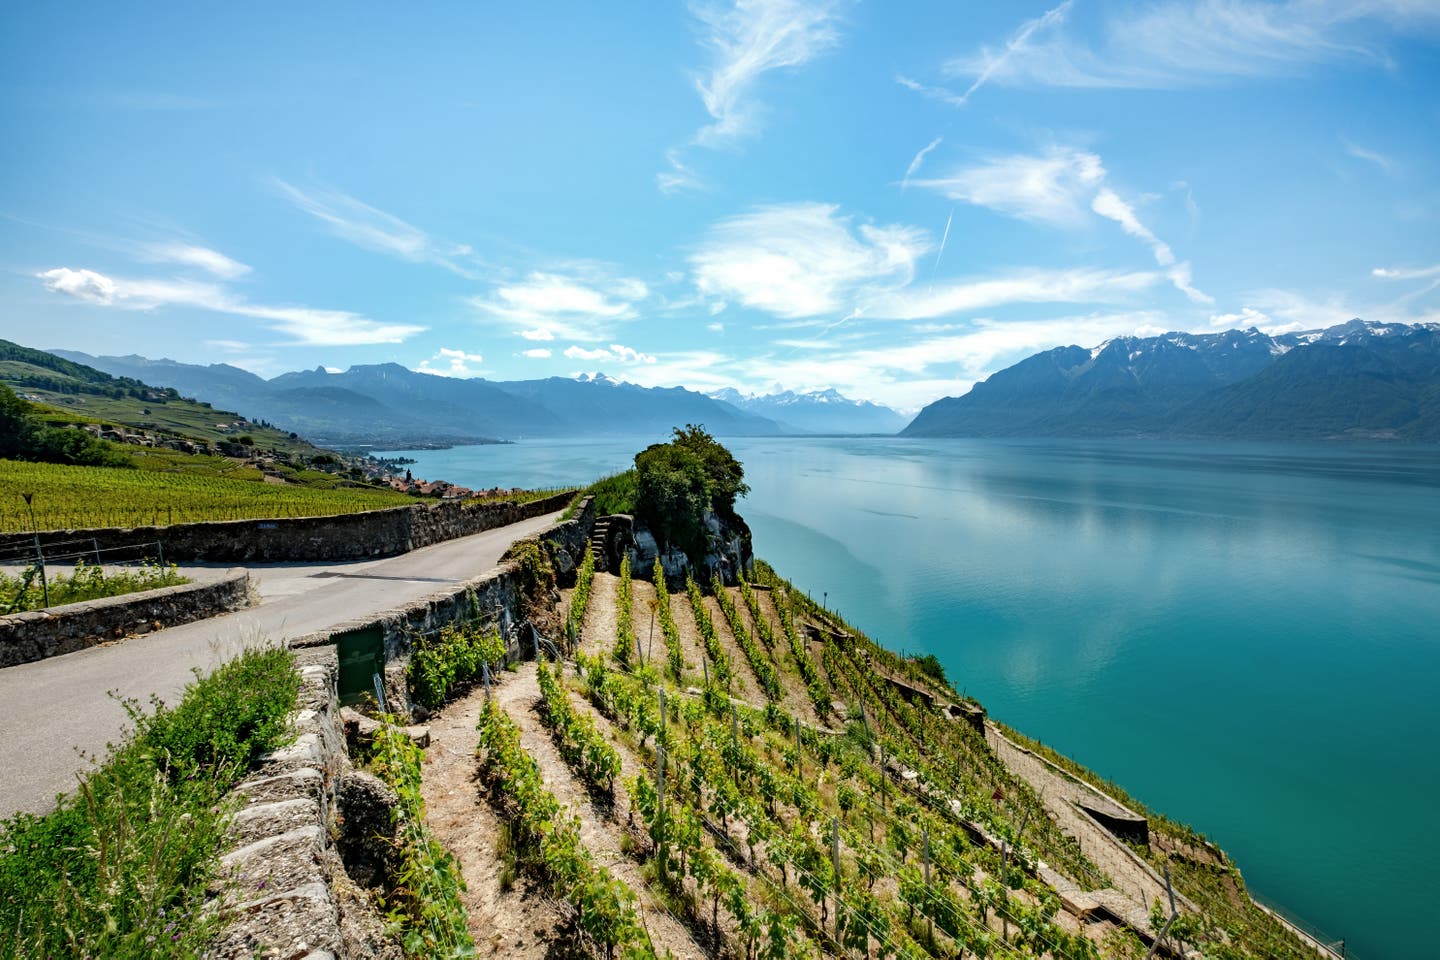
{"x":388,"y":404}
{"x":820,"y":411}
{"x":1357,"y":379}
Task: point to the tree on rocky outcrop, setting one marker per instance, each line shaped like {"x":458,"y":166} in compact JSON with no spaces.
{"x":680,"y":482}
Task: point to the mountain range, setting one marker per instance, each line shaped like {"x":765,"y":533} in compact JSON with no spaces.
{"x":820,"y":411}
{"x":1357,"y":379}
{"x":389,"y":405}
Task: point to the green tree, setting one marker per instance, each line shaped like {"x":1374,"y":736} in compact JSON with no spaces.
{"x":673,"y":493}
{"x":17,"y":426}
{"x":725,"y":473}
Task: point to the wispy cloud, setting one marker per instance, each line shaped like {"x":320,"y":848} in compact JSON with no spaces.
{"x":1406,"y":273}
{"x":1188,"y":42}
{"x":807,"y":262}
{"x":803,"y":259}
{"x":193,"y":255}
{"x":307,"y":325}
{"x":536,"y":353}
{"x":1058,"y":187}
{"x":1053,"y":187}
{"x":747,"y":40}
{"x":1026,"y":286}
{"x":1369,"y":156}
{"x":452,"y":363}
{"x":616,"y":353}
{"x":1108,"y":204}
{"x":545,"y":306}
{"x":914,"y":167}
{"x":373,"y":229}
{"x":993,"y":63}
{"x":939,"y":94}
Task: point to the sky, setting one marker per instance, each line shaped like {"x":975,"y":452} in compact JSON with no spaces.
{"x":891,"y":199}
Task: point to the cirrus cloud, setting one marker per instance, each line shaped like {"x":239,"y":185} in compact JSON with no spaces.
{"x":544,"y":306}
{"x":306,"y":325}
{"x":803,"y":259}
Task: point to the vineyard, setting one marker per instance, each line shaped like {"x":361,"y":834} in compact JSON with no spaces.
{"x":767,"y":782}
{"x":71,"y":498}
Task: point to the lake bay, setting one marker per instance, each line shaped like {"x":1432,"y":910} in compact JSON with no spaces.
{"x":1244,"y":636}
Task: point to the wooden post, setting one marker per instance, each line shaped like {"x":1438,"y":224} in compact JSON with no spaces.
{"x":660,"y":804}
{"x":485,"y":668}
{"x":799,"y":751}
{"x":925,"y":833}
{"x":835,"y":862}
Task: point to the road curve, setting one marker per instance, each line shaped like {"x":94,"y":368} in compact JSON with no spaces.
{"x":52,"y":711}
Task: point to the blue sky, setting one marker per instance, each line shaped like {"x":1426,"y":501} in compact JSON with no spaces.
{"x":893,"y":199}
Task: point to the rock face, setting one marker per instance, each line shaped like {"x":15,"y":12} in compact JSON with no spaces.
{"x":727,"y":549}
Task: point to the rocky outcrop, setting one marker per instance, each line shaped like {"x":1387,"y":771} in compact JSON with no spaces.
{"x":727,"y":548}
{"x":37,"y":634}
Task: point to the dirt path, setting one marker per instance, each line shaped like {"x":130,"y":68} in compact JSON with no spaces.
{"x":600,"y":832}
{"x":689,"y":636}
{"x":597,"y":634}
{"x":522,"y":922}
{"x":1137,"y":886}
{"x":744,"y":685}
{"x":795,"y":699}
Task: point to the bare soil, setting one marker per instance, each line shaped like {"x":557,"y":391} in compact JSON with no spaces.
{"x":522,"y":922}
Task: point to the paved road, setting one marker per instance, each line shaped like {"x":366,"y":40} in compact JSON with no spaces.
{"x":53,"y":709}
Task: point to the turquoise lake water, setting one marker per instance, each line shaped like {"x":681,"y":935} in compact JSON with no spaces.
{"x":1245,"y":636}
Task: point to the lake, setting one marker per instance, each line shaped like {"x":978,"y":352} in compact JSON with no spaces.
{"x":1245,"y":636}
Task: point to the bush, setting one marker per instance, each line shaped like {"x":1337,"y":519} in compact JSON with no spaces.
{"x":457,"y":656}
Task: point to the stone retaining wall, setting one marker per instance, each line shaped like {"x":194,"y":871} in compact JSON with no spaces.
{"x":350,"y":536}
{"x":37,"y":634}
{"x":282,"y":890}
{"x":495,"y":597}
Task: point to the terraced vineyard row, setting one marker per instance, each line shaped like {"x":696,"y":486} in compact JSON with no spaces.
{"x":893,"y":832}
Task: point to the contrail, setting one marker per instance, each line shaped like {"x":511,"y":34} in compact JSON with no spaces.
{"x":943,"y":240}
{"x":1016,"y":42}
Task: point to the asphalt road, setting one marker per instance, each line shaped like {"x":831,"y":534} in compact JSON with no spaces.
{"x":56,"y":713}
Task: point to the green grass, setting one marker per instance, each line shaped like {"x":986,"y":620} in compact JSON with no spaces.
{"x":68,"y":497}
{"x":86,"y":582}
{"x":120,"y":869}
{"x":615,"y":494}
